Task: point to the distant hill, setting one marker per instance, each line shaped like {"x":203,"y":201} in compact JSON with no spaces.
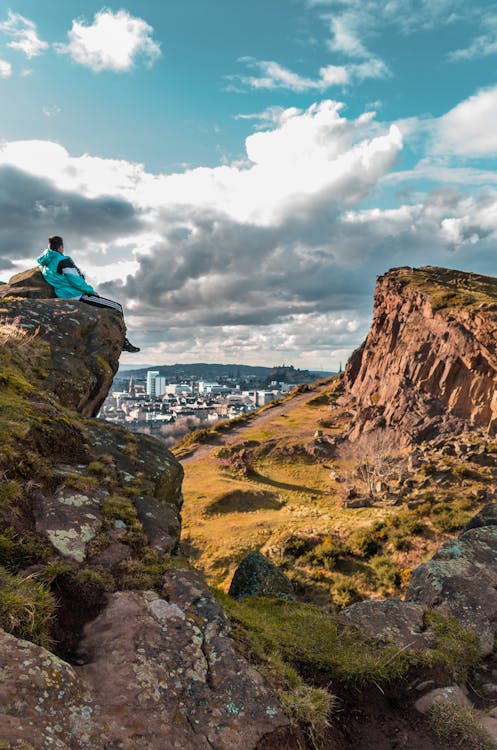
{"x":207,"y":371}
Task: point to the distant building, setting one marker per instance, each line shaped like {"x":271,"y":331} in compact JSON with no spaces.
{"x":151,"y":376}
{"x":265,"y":397}
{"x":131,"y":388}
{"x":156,"y":384}
{"x":177,"y":389}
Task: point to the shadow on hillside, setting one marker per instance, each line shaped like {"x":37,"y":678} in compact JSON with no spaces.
{"x":284,"y":485}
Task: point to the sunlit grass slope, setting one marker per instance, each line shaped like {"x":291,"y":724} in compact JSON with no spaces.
{"x":260,"y":487}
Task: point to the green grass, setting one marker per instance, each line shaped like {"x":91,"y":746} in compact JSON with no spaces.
{"x":449,"y":289}
{"x":302,"y":635}
{"x":26,"y":608}
{"x":456,"y":649}
{"x":460,"y":727}
{"x":310,"y":708}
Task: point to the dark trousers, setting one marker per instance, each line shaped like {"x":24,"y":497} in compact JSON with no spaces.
{"x":90,"y":299}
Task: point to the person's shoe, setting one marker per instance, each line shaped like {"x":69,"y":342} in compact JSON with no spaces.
{"x":128,"y":347}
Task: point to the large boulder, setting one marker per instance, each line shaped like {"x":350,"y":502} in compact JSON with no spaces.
{"x":258,"y":576}
{"x":461,"y":580}
{"x":28,"y":284}
{"x":82,"y":347}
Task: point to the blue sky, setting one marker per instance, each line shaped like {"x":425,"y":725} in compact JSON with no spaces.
{"x":237,"y":174}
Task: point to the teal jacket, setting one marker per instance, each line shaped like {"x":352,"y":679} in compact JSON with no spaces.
{"x":62,"y":273}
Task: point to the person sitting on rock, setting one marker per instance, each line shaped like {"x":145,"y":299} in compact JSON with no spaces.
{"x":69,"y":283}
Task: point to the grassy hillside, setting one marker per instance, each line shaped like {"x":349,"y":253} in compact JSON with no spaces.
{"x":278,"y":484}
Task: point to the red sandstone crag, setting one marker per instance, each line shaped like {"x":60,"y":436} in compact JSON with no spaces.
{"x":429,"y":362}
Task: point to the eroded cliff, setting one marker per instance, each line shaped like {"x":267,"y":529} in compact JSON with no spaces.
{"x":429,"y":362}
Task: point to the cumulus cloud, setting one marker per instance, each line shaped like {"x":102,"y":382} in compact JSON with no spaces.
{"x":114,"y":41}
{"x":32,"y":208}
{"x":466,"y":130}
{"x":272,"y":75}
{"x":269,"y":258}
{"x":24,"y":35}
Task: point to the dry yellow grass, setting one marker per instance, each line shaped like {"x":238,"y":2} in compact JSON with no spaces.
{"x":286,"y":496}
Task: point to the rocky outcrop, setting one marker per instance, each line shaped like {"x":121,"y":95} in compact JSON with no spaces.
{"x":159,"y":670}
{"x":461,"y":580}
{"x":83,"y":343}
{"x":429,"y":361}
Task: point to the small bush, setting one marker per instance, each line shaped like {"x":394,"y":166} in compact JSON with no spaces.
{"x":387,"y":574}
{"x":344,"y":593}
{"x":296,"y":546}
{"x":325,"y":553}
{"x":365,"y":542}
{"x":448,"y":518}
{"x":460,"y":726}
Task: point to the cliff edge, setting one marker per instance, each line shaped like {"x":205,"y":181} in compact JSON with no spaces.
{"x":429,"y":362}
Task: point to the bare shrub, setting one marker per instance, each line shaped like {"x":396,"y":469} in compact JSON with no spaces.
{"x":372,"y":462}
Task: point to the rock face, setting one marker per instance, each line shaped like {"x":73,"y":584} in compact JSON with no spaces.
{"x":258,"y":576}
{"x":429,"y":361}
{"x":159,"y":671}
{"x":85,"y":343}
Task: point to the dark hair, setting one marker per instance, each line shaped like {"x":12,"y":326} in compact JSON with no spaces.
{"x":55,"y":242}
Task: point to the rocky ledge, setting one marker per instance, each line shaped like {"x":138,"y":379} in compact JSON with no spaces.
{"x":83,"y":343}
{"x":429,"y":362}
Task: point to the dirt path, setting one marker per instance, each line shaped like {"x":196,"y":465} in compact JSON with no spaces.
{"x":234,"y":435}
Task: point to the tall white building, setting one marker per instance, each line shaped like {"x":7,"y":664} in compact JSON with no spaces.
{"x":156,"y":384}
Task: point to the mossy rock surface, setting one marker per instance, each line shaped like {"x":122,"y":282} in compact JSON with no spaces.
{"x":258,"y":576}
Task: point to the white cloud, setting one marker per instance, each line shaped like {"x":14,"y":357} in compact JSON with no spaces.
{"x":305,"y":153}
{"x":482,"y":45}
{"x":468,"y":129}
{"x":114,"y":41}
{"x":273,"y":76}
{"x":5,"y":69}
{"x":24,"y":33}
{"x":270,"y":258}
